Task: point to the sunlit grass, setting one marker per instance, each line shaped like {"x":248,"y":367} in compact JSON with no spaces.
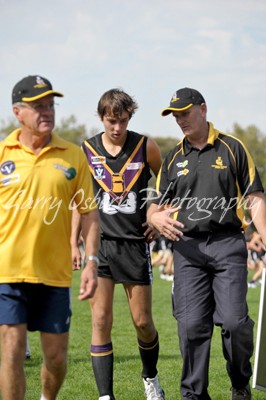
{"x":80,"y":385}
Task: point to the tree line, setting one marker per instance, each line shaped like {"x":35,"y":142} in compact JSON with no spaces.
{"x":71,"y":130}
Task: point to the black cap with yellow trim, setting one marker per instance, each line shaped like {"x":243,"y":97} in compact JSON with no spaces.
{"x":183,"y":99}
{"x":31,"y":88}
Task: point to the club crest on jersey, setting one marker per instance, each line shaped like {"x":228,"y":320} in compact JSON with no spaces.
{"x":98,"y":160}
{"x":219,"y":164}
{"x":99,"y":172}
{"x":8,"y":167}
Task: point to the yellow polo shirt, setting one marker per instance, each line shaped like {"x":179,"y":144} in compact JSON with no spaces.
{"x":37,"y":194}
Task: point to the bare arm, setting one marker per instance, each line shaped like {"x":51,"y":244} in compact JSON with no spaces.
{"x":75,"y":235}
{"x":91,"y":236}
{"x":154,"y":156}
{"x":257,"y":208}
{"x":155,"y":161}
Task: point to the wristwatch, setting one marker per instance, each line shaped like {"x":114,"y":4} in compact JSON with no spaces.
{"x":92,"y":258}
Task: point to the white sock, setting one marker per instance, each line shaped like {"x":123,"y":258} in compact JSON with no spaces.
{"x":42,"y":397}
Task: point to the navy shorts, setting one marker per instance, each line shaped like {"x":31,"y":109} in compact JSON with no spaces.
{"x":125,"y":261}
{"x":43,"y":308}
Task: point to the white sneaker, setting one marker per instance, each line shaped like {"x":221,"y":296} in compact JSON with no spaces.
{"x":153,"y":390}
{"x":252,"y":285}
{"x":169,"y":277}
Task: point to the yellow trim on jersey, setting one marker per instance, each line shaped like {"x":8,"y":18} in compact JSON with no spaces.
{"x":132,"y":155}
{"x":251,"y":166}
{"x":97,"y":155}
{"x":132,"y":182}
{"x":170,"y":163}
{"x":158,"y":181}
{"x":229,"y":149}
{"x":240,"y":210}
{"x":213,"y":134}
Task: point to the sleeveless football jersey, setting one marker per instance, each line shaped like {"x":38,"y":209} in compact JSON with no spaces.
{"x":120,"y":184}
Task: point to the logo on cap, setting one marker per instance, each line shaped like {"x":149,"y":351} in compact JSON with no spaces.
{"x":40,"y":82}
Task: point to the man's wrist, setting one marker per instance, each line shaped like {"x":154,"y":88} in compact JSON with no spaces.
{"x":92,"y":258}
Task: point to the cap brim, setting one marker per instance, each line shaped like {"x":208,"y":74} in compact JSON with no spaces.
{"x":168,"y":110}
{"x":40,"y":96}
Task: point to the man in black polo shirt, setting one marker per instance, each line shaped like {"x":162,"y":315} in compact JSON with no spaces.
{"x":206,"y":183}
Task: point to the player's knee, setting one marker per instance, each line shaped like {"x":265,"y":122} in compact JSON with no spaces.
{"x":144,"y":324}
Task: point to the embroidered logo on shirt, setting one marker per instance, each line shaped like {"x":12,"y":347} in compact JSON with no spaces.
{"x":219,"y":164}
{"x":69,"y":173}
{"x":134,"y":165}
{"x":98,"y":160}
{"x":8,"y":167}
{"x":183,"y":172}
{"x":99,"y":172}
{"x":182,"y":164}
{"x":11,"y":179}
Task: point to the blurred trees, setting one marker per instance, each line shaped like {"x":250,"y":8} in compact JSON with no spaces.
{"x":7,"y":127}
{"x":71,"y":130}
{"x":255,"y":142}
{"x":68,"y":128}
{"x":166,"y":144}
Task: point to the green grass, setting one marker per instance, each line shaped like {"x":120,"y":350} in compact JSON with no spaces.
{"x":79,"y":383}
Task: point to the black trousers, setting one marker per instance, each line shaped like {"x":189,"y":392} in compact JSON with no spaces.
{"x":210,"y":287}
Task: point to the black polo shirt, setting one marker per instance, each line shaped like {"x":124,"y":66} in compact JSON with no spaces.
{"x":210,"y":184}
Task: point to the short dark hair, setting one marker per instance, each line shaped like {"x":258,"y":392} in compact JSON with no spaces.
{"x":115,"y":102}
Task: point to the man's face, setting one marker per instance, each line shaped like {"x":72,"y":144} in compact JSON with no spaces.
{"x":37,"y":116}
{"x":192,"y":119}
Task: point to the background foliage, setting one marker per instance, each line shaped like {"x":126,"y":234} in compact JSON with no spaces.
{"x":71,"y":130}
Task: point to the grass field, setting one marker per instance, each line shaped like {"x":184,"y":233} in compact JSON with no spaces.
{"x":79,"y":383}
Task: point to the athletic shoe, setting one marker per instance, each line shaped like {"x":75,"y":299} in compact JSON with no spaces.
{"x":241,"y":394}
{"x":153,"y":390}
{"x":169,"y":277}
{"x":252,"y":285}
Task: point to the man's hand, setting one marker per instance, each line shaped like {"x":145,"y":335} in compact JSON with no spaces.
{"x":164,"y":221}
{"x":150,"y":233}
{"x":76,"y":258}
{"x":88,"y":281}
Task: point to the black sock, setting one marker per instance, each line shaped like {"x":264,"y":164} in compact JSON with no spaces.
{"x":102,"y":363}
{"x":149,"y":353}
